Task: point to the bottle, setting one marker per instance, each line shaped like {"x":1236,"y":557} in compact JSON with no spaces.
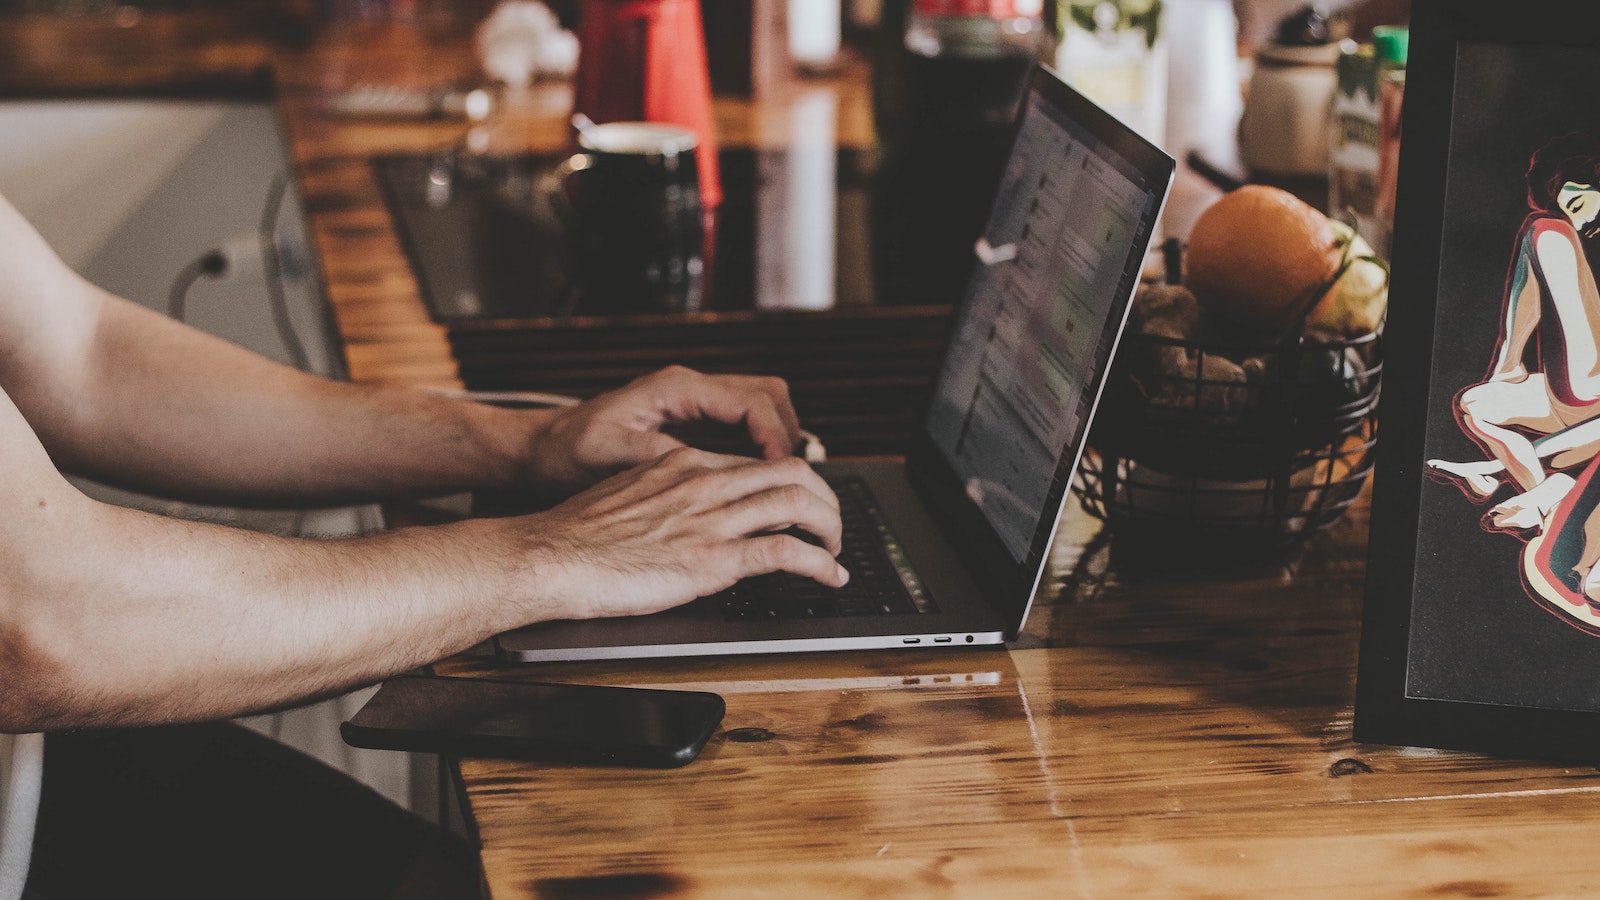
{"x":961,"y":74}
{"x":1353,"y":156}
{"x":1392,"y":44}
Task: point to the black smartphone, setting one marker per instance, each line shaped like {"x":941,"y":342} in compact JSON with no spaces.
{"x":569,"y":723}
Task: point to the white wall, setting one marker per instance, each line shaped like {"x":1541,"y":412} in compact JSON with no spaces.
{"x":78,"y":170}
{"x":129,"y":193}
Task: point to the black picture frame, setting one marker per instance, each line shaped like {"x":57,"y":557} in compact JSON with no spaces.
{"x":1464,"y":643}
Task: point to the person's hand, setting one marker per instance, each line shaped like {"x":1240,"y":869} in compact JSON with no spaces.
{"x":582,"y":444}
{"x":689,"y":524}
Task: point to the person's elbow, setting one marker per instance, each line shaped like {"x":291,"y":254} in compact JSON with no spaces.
{"x":34,"y":665}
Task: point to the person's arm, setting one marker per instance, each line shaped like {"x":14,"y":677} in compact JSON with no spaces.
{"x":144,"y":402}
{"x":112,"y":616}
{"x":127,"y":396}
{"x":1558,"y":264}
{"x":1521,"y":318}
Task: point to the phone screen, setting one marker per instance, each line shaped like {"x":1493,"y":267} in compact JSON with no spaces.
{"x":585,"y":724}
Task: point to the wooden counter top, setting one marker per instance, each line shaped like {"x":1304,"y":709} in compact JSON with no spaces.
{"x":1184,"y":737}
{"x":213,"y":53}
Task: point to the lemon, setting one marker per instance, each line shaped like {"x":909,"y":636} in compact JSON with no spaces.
{"x":1357,"y":302}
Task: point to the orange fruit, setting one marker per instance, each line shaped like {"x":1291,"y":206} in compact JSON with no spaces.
{"x":1259,"y":256}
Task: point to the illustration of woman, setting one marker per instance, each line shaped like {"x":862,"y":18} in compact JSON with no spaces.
{"x":1537,"y":411}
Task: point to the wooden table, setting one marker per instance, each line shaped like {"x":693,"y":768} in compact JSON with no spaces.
{"x":1186,"y":736}
{"x":1180,"y":736}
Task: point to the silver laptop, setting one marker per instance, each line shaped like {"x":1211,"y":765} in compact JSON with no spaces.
{"x":947,"y":548}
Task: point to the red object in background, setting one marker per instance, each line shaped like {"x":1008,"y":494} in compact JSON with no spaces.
{"x":645,"y":60}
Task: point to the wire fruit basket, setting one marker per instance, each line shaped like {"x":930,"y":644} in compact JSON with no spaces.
{"x":1191,"y":465}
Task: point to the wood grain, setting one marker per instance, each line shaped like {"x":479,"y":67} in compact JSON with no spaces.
{"x":222,"y":53}
{"x":1177,"y":737}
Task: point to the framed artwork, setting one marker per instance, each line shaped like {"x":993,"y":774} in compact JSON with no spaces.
{"x":1481,"y":620}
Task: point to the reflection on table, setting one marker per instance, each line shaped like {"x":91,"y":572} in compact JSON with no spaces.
{"x":793,"y":289}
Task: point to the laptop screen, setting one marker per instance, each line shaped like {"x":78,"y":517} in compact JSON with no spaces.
{"x":1058,"y":261}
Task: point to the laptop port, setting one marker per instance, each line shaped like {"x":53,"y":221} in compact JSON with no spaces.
{"x":911,"y":640}
{"x":943,"y":640}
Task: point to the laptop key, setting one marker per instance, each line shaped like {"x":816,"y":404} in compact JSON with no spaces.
{"x":878,"y":586}
{"x":856,"y":606}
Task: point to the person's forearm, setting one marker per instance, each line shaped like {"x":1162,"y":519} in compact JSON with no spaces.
{"x":111,"y":616}
{"x":123,"y":394}
{"x":172,"y":411}
{"x":121,"y":618}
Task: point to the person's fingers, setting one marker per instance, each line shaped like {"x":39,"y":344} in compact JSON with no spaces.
{"x":631,"y":446}
{"x":679,"y":466}
{"x":743,"y":496}
{"x":782,"y":507}
{"x":768,"y":430}
{"x":726,"y":479}
{"x":690,"y":523}
{"x":784,"y":433}
{"x":787,"y":553}
{"x":761,"y":404}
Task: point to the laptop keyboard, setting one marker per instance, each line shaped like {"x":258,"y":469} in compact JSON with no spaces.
{"x":881,"y":580}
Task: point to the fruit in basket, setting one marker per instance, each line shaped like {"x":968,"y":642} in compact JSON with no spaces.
{"x":1170,"y":370}
{"x":1329,"y":377}
{"x":1167,"y":310}
{"x":1259,"y":256}
{"x":1356,"y":303}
